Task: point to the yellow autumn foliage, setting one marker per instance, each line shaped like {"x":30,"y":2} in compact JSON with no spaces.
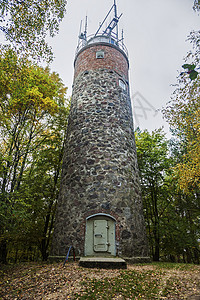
{"x":189,"y":170}
{"x":183,"y":115}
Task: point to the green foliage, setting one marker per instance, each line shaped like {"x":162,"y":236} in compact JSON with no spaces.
{"x":183,"y":115}
{"x":33,"y":118}
{"x":153,"y":161}
{"x":26,"y":23}
{"x":191,"y":71}
{"x":189,"y":67}
{"x":171,"y":216}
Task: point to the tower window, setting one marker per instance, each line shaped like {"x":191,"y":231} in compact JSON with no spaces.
{"x":122,"y":84}
{"x":100,"y":54}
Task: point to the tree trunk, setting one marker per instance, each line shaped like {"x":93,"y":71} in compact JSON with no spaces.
{"x":156,"y":229}
{"x":156,"y":254}
{"x":3,"y":251}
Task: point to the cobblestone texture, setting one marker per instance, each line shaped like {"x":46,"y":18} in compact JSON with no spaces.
{"x":100,"y":173}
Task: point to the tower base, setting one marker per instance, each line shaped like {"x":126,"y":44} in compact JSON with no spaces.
{"x":103,"y":262}
{"x":137,"y":260}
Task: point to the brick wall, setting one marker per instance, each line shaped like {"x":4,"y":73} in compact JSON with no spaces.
{"x":113,"y":60}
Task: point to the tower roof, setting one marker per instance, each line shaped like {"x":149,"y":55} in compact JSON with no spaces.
{"x":105,"y":33}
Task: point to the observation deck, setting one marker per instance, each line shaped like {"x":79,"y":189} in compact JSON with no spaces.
{"x":100,"y":38}
{"x":104,"y":35}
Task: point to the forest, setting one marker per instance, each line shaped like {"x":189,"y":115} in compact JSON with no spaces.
{"x":33,"y":120}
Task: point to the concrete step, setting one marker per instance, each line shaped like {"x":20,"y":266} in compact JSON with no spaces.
{"x":103,"y":262}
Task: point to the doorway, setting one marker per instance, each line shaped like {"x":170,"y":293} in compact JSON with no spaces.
{"x":100,"y":235}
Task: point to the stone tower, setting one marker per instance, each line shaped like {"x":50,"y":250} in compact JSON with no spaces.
{"x":99,"y":209}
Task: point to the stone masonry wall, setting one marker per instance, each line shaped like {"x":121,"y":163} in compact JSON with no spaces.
{"x":100,"y":173}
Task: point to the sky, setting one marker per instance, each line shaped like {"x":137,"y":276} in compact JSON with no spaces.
{"x":155,"y":34}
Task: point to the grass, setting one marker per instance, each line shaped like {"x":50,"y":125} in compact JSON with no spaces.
{"x":174,"y":266}
{"x":129,"y":284}
{"x":145,"y":281}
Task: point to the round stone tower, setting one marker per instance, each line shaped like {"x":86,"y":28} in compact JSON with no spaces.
{"x":99,"y":210}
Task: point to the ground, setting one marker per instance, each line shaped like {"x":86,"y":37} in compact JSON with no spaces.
{"x":53,"y":281}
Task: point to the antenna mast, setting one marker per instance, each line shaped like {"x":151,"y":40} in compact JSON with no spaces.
{"x":85,"y":32}
{"x":82,"y":35}
{"x":109,"y":31}
{"x":115,"y":9}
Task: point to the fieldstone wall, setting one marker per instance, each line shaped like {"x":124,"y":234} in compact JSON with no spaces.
{"x":100,"y":173}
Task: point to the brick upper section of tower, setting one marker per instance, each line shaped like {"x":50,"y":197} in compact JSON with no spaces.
{"x":114,"y":59}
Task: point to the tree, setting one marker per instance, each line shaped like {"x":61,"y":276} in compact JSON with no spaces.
{"x":42,"y":179}
{"x":26,"y":23}
{"x":196,"y":5}
{"x":32,"y":111}
{"x":171,"y":216}
{"x":25,"y":102}
{"x":153,"y":161}
{"x":183,"y":115}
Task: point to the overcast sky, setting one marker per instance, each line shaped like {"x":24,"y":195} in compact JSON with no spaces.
{"x":155,"y":33}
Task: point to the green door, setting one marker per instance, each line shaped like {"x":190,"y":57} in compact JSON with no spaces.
{"x":100,"y":236}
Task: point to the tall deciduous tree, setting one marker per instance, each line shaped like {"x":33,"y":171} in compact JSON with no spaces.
{"x":172,"y":217}
{"x":26,"y":23}
{"x":32,"y":112}
{"x":183,"y":115}
{"x":152,"y":151}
